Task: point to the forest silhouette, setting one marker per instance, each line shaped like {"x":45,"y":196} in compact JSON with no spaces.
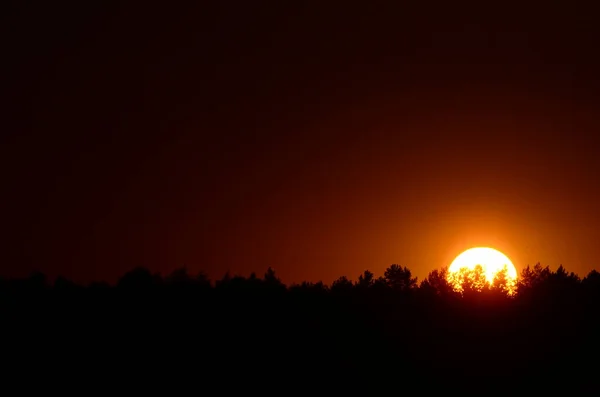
{"x":390,"y":333}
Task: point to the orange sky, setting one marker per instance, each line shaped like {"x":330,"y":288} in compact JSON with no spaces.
{"x":321,"y":145}
{"x":481,"y":179}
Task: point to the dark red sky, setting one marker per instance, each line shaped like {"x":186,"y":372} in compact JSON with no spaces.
{"x":320,"y":140}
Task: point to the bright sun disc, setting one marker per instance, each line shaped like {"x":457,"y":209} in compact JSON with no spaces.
{"x":492,"y":261}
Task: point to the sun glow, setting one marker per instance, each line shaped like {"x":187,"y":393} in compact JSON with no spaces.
{"x":480,"y":266}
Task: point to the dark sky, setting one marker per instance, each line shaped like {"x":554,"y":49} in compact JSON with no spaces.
{"x":320,"y":140}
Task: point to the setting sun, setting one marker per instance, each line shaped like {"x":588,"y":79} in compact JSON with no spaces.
{"x":491,"y":261}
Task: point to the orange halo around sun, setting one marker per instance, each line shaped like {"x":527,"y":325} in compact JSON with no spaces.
{"x":492,"y":262}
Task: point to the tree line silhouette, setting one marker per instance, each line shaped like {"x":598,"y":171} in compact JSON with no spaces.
{"x":387,"y":332}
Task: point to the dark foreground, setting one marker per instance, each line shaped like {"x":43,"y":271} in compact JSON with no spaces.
{"x":312,"y":339}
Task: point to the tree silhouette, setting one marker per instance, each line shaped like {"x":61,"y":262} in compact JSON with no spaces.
{"x":179,"y":277}
{"x":591,"y":282}
{"x":592,"y":278}
{"x":468,"y":281}
{"x":502,"y":284}
{"x":380,"y":284}
{"x":533,"y":277}
{"x":590,"y":286}
{"x":305,"y":286}
{"x":64,"y":284}
{"x":272,"y":280}
{"x":365,"y":280}
{"x":341,"y":285}
{"x":139,"y":278}
{"x":224,"y":282}
{"x":563,"y":279}
{"x":202,"y":280}
{"x":399,"y":278}
{"x":479,"y":334}
{"x":37,"y":281}
{"x":436,"y":283}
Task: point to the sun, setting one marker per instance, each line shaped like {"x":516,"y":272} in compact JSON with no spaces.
{"x":491,"y":261}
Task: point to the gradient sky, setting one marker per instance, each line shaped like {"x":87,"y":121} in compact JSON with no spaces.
{"x":319,"y":140}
